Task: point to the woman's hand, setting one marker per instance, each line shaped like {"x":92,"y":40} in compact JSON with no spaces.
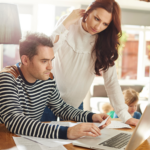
{"x":74,"y":16}
{"x":132,"y":121}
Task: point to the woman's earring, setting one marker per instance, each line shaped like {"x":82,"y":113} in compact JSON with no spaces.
{"x":86,"y":17}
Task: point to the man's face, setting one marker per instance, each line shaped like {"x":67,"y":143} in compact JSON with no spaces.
{"x":41,"y":64}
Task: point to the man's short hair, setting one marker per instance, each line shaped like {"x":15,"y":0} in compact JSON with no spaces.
{"x":28,"y":46}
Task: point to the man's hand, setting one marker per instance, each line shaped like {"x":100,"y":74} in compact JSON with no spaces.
{"x":132,"y":121}
{"x":100,"y":117}
{"x":83,"y":129}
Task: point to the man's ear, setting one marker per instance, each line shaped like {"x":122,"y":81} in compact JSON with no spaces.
{"x":25,"y":60}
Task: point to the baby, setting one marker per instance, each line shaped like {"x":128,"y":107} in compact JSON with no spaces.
{"x":107,"y":108}
{"x":131,"y":99}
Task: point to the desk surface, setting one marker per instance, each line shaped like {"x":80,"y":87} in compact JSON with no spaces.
{"x":7,"y":142}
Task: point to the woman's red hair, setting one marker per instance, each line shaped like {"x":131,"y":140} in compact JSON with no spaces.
{"x":106,"y":45}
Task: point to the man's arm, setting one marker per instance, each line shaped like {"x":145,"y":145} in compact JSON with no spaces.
{"x":16,"y":122}
{"x":13,"y":116}
{"x":65,"y":111}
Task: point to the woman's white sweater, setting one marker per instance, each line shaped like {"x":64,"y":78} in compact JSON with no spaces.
{"x":73,"y":68}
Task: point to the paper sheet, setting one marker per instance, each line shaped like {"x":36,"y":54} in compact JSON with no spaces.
{"x":118,"y":124}
{"x":113,"y":125}
{"x":70,"y":124}
{"x":48,"y":142}
{"x":103,"y":122}
{"x":27,"y":144}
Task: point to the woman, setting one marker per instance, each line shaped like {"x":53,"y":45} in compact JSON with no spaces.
{"x":86,"y":43}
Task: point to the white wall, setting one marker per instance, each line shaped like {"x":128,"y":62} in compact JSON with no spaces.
{"x":127,"y":4}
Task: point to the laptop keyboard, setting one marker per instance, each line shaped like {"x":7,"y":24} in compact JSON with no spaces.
{"x":118,"y":141}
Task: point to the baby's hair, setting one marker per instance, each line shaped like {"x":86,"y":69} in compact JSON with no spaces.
{"x":106,"y":107}
{"x":130,"y":96}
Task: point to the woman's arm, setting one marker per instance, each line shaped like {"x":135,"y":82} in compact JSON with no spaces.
{"x":59,"y":34}
{"x":115,"y":95}
{"x":73,"y":17}
{"x":62,"y":28}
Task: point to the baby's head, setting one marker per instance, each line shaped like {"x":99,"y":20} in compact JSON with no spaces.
{"x":131,"y":99}
{"x":106,"y":107}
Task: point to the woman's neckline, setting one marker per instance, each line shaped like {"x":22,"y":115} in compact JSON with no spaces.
{"x":82,"y":29}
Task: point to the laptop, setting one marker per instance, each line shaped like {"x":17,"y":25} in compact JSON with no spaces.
{"x":111,"y":139}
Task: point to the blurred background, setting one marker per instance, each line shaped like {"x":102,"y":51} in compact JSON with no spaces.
{"x":133,"y":64}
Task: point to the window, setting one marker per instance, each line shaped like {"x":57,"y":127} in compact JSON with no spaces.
{"x":10,"y":55}
{"x":134,"y":62}
{"x":11,"y":52}
{"x":48,"y":15}
{"x":25,"y":23}
{"x":34,"y":18}
{"x":147,"y":54}
{"x":46,"y":18}
{"x":130,"y":55}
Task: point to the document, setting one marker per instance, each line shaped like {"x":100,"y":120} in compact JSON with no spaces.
{"x":103,"y":122}
{"x":118,"y":124}
{"x":70,"y":124}
{"x":113,"y":125}
{"x":27,"y":144}
{"x":48,"y":142}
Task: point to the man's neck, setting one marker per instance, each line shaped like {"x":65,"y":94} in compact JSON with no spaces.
{"x":26,"y":74}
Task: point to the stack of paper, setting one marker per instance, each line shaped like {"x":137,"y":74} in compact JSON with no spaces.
{"x":26,"y":144}
{"x":113,"y":125}
{"x":118,"y":124}
{"x":70,"y":124}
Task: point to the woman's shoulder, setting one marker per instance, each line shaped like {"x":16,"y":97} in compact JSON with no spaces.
{"x":61,"y":19}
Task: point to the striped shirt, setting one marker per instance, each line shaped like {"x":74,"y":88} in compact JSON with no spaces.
{"x":22,"y":105}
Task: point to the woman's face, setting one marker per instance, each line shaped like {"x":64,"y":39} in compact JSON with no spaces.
{"x":97,"y":21}
{"x":132,"y":108}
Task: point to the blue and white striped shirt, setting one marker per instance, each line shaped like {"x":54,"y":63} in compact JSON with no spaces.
{"x":22,"y":105}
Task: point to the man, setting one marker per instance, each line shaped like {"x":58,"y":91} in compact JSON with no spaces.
{"x":27,"y":87}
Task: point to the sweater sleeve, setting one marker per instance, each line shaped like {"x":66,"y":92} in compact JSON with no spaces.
{"x":115,"y":115}
{"x":60,"y":30}
{"x":115,"y":94}
{"x":11,"y":113}
{"x":64,"y":111}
